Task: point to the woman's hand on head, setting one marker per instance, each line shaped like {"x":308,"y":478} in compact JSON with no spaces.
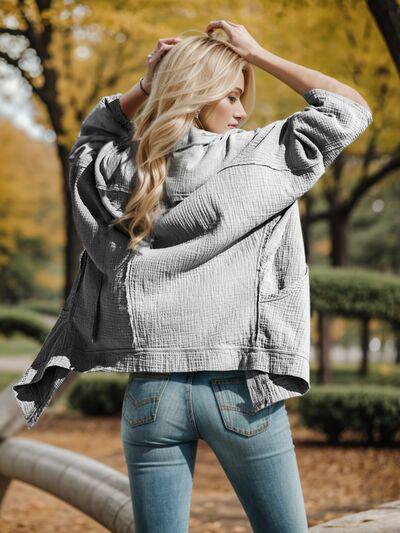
{"x":162,"y":48}
{"x":240,"y":39}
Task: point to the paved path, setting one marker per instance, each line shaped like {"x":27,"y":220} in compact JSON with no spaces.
{"x":15,"y":363}
{"x":19,"y":363}
{"x":382,"y":519}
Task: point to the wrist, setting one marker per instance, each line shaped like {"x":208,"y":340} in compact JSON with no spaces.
{"x":146,"y":85}
{"x":259,"y":55}
{"x":254,"y":53}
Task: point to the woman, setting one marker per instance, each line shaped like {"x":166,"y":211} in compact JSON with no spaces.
{"x":161,"y":455}
{"x":193,"y":276}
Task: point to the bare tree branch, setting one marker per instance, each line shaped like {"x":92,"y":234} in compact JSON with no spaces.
{"x":369,"y":181}
{"x":14,"y":63}
{"x":366,"y":183}
{"x":14,"y":31}
{"x":29,"y":32}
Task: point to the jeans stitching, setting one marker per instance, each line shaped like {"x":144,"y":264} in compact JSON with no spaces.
{"x":144,"y":401}
{"x":259,"y":429}
{"x":137,"y":403}
{"x":227,"y":407}
{"x":190,"y":406}
{"x":138,"y":421}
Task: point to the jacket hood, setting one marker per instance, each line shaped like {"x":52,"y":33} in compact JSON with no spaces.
{"x":195,"y":158}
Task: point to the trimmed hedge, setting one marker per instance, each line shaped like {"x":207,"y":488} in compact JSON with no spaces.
{"x":46,"y":307}
{"x":13,"y":320}
{"x":355,"y":292}
{"x":374,"y":411}
{"x":97,"y":395}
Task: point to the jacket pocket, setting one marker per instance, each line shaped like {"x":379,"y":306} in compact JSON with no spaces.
{"x":284,"y":317}
{"x":85,"y":309}
{"x":70,"y":302}
{"x":97,"y":301}
{"x":142,"y":397}
{"x":289,"y":288}
{"x":236,"y":409}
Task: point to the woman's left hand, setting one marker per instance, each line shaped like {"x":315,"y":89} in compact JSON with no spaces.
{"x":162,"y":48}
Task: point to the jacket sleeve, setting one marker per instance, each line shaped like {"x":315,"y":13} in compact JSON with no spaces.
{"x":104,"y":123}
{"x":308,"y":141}
{"x":275,"y":166}
{"x":288,"y":157}
{"x":105,"y":127}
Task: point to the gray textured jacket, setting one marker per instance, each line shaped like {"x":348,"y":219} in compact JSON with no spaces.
{"x":223,"y":283}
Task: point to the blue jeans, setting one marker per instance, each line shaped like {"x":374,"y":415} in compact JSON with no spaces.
{"x":164,"y":415}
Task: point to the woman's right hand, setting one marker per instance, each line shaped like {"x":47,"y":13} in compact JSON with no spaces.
{"x":161,"y":49}
{"x":240,"y":39}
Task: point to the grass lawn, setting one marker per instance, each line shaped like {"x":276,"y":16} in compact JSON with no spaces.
{"x":379,"y":374}
{"x":18,"y":344}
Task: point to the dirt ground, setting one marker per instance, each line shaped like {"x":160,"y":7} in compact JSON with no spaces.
{"x":336,"y":480}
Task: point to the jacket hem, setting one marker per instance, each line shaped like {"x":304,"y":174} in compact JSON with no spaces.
{"x":236,"y":348}
{"x":271,"y":374}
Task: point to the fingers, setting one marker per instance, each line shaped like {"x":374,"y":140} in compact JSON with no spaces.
{"x":224,"y":24}
{"x":163,"y":49}
{"x":167,"y":42}
{"x":170,"y":40}
{"x":163,"y":45}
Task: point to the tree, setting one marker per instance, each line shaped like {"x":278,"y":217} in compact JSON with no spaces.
{"x":361,"y":59}
{"x":41,"y":40}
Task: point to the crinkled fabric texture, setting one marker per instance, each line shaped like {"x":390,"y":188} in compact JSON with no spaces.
{"x":223,"y":282}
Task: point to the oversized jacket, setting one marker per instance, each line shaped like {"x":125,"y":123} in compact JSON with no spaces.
{"x":223,"y":282}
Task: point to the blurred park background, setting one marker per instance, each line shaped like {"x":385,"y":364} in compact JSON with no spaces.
{"x":57,"y":59}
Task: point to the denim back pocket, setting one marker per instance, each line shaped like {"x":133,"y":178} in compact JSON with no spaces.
{"x":142,"y":396}
{"x":236,"y":409}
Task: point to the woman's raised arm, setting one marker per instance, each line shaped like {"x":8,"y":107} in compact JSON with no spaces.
{"x":133,"y":99}
{"x":300,"y":79}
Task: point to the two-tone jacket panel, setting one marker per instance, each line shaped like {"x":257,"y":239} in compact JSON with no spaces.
{"x":223,"y":282}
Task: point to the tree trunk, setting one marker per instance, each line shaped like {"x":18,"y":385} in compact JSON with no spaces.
{"x":397,"y":343}
{"x":338,"y":227}
{"x":387,"y":17}
{"x":363,"y":370}
{"x":306,"y":225}
{"x":324,"y":374}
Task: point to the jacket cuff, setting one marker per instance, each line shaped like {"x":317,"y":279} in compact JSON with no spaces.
{"x":113,"y":104}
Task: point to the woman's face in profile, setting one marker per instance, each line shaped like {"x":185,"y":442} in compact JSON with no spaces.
{"x":226,"y":113}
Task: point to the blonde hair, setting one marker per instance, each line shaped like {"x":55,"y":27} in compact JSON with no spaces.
{"x":197,"y":71}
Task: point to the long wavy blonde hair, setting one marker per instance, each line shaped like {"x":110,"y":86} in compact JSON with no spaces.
{"x":199,"y":70}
